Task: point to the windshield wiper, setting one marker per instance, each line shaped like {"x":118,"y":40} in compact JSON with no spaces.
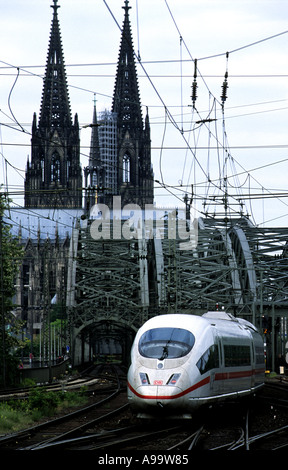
{"x":164,"y":353}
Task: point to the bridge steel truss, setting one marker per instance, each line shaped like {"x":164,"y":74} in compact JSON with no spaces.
{"x":233,"y":264}
{"x":108,"y":284}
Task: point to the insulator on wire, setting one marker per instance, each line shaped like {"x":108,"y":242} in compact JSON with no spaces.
{"x":225,"y":83}
{"x":224,"y":89}
{"x":194,"y":84}
{"x":194,"y":92}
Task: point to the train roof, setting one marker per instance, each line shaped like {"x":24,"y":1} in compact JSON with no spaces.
{"x":193,"y":322}
{"x":221,"y":315}
{"x":182,"y":320}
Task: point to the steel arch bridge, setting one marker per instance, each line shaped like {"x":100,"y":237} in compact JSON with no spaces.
{"x":115,"y":285}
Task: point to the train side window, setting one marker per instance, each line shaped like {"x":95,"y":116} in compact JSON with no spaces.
{"x":220,"y":354}
{"x":237,"y":355}
{"x":209,"y":360}
{"x":259,"y":354}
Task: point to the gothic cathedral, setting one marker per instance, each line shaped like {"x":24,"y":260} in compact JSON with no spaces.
{"x":54,"y":175}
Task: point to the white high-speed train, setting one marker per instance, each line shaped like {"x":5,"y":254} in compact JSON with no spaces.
{"x":180,"y":362}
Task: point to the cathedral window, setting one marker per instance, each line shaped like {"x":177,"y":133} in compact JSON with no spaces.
{"x":55,"y":168}
{"x":42,"y":170}
{"x":126,"y":169}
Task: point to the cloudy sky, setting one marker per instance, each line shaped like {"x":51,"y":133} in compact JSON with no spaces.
{"x":240,"y":148}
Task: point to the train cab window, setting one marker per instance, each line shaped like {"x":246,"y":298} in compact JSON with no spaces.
{"x":166,"y":343}
{"x":209,"y":360}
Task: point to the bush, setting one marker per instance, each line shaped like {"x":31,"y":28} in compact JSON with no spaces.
{"x":68,"y":399}
{"x":43,"y":401}
{"x":18,"y":414}
{"x":12,"y":419}
{"x":27,"y":382}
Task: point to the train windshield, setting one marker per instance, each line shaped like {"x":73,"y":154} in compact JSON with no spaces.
{"x":166,"y":343}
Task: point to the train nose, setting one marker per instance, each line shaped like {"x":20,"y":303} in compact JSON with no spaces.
{"x":157,"y":393}
{"x":171,"y":382}
{"x":162,"y":400}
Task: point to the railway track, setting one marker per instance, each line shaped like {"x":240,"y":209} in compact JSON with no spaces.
{"x":263,"y":426}
{"x":126,"y":438}
{"x":108,"y":424}
{"x":72,"y":423}
{"x":96,"y":377}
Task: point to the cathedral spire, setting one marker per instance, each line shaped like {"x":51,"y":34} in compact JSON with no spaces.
{"x":55,"y":107}
{"x":54,"y":176}
{"x":126,"y":98}
{"x":94,"y":157}
{"x":126,"y":7}
{"x":55,"y":6}
{"x":135,"y":175}
{"x":94,"y":173}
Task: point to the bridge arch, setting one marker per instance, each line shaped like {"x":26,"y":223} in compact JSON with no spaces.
{"x":115,"y":285}
{"x":100,"y":338}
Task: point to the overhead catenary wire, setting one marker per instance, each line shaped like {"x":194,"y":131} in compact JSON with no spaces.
{"x":207,"y":119}
{"x":225,"y":85}
{"x":185,"y":147}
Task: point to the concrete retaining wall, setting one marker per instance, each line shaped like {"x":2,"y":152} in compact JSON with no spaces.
{"x":44,"y":374}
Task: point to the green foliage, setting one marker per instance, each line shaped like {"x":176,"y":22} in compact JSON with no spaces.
{"x":11,"y":255}
{"x":27,"y":382}
{"x":47,"y":402}
{"x":13,"y":419}
{"x":41,"y":400}
{"x":12,"y":368}
{"x":19,"y":414}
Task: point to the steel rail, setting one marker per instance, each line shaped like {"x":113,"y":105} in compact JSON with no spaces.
{"x":38,"y":427}
{"x":133,"y":439}
{"x":63,"y":439}
{"x":257,"y":437}
{"x":187,"y":439}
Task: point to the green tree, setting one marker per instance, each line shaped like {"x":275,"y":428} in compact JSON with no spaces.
{"x":11,"y":255}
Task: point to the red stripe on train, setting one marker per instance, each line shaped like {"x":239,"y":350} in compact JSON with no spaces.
{"x":218,"y":376}
{"x":170,"y":397}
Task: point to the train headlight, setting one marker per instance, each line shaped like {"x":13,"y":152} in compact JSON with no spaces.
{"x":173,"y":379}
{"x":144,"y":379}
